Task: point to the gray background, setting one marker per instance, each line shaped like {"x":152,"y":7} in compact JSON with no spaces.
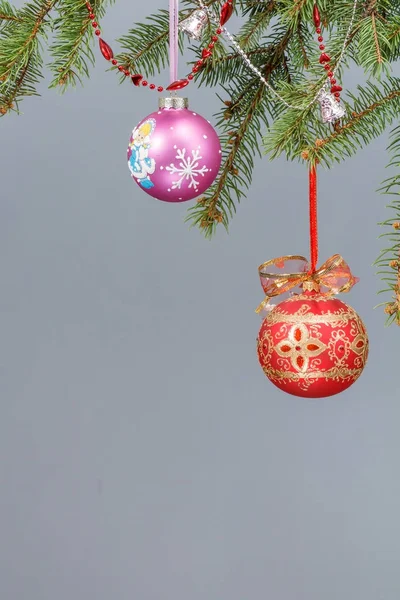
{"x":144,"y":453}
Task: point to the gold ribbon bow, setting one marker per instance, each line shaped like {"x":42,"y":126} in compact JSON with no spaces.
{"x":334,"y":276}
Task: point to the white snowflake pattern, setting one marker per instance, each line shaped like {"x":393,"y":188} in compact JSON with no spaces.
{"x":188,"y":169}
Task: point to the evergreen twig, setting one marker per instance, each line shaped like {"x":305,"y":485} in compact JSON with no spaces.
{"x":279,"y":38}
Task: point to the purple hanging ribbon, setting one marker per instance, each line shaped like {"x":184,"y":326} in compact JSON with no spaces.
{"x":173,"y":39}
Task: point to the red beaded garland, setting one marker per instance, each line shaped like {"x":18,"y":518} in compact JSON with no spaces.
{"x":137,"y":79}
{"x":324,"y":58}
{"x":106,"y":50}
{"x":226,"y":12}
{"x":178,"y":85}
{"x":316,"y":16}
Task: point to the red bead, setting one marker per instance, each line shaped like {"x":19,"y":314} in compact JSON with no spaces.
{"x":120,"y":68}
{"x":321,"y":47}
{"x":178,"y":85}
{"x":329,"y":73}
{"x":92,"y":16}
{"x":145,"y":83}
{"x":94,"y":24}
{"x":206,"y":53}
{"x":211,"y":45}
{"x":106,"y":50}
{"x":195,"y":69}
{"x":320,"y":38}
{"x":226,"y":13}
{"x":190,"y":76}
{"x":98,"y":32}
{"x":336,"y":88}
{"x":324,"y":58}
{"x":326,"y":67}
{"x":318,"y":30}
{"x":199,"y":63}
{"x":219,"y":31}
{"x":337,"y":94}
{"x":160,"y":88}
{"x":316,"y":17}
{"x":152,"y":86}
{"x":214,"y":38}
{"x":89,"y":7}
{"x":333,"y":81}
{"x":126,"y":73}
{"x":114,"y":62}
{"x":136,"y":79}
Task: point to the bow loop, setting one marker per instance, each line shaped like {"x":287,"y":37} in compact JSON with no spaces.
{"x":291,"y":274}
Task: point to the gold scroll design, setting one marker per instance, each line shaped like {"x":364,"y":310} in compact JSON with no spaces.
{"x":333,"y":277}
{"x":305,"y":380}
{"x":339,"y":318}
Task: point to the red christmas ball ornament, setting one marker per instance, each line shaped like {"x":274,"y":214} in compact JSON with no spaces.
{"x":312,"y":345}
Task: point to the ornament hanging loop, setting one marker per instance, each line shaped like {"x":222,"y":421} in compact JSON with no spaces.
{"x":173,"y":40}
{"x":312,"y":173}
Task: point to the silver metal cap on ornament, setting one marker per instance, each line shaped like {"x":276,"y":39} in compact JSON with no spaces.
{"x":173,"y":102}
{"x":194,"y":25}
{"x":331,"y":110}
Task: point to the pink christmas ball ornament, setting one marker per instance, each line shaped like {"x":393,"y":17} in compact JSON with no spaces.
{"x":174,"y":154}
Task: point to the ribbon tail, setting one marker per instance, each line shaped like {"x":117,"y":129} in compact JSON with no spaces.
{"x":263,"y":305}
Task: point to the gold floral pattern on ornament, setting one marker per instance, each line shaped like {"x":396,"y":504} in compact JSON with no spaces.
{"x":299,"y":347}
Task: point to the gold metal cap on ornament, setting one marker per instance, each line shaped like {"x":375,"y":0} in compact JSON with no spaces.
{"x":194,"y":24}
{"x":311,"y":286}
{"x":173,"y":102}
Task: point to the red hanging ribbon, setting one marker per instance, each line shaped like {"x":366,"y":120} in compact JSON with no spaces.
{"x":313,"y":219}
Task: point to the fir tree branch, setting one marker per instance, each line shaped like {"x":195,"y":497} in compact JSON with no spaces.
{"x":258,"y":21}
{"x":300,"y":37}
{"x":26,"y":46}
{"x":20,"y":67}
{"x":8,"y":13}
{"x":71,"y":48}
{"x":376,"y":39}
{"x":388,"y":261}
{"x":4,"y":17}
{"x":237,"y":164}
{"x":364,"y":125}
{"x":150,"y":43}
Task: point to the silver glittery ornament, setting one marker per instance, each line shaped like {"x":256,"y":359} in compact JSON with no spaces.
{"x":331,"y":110}
{"x":194,"y":24}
